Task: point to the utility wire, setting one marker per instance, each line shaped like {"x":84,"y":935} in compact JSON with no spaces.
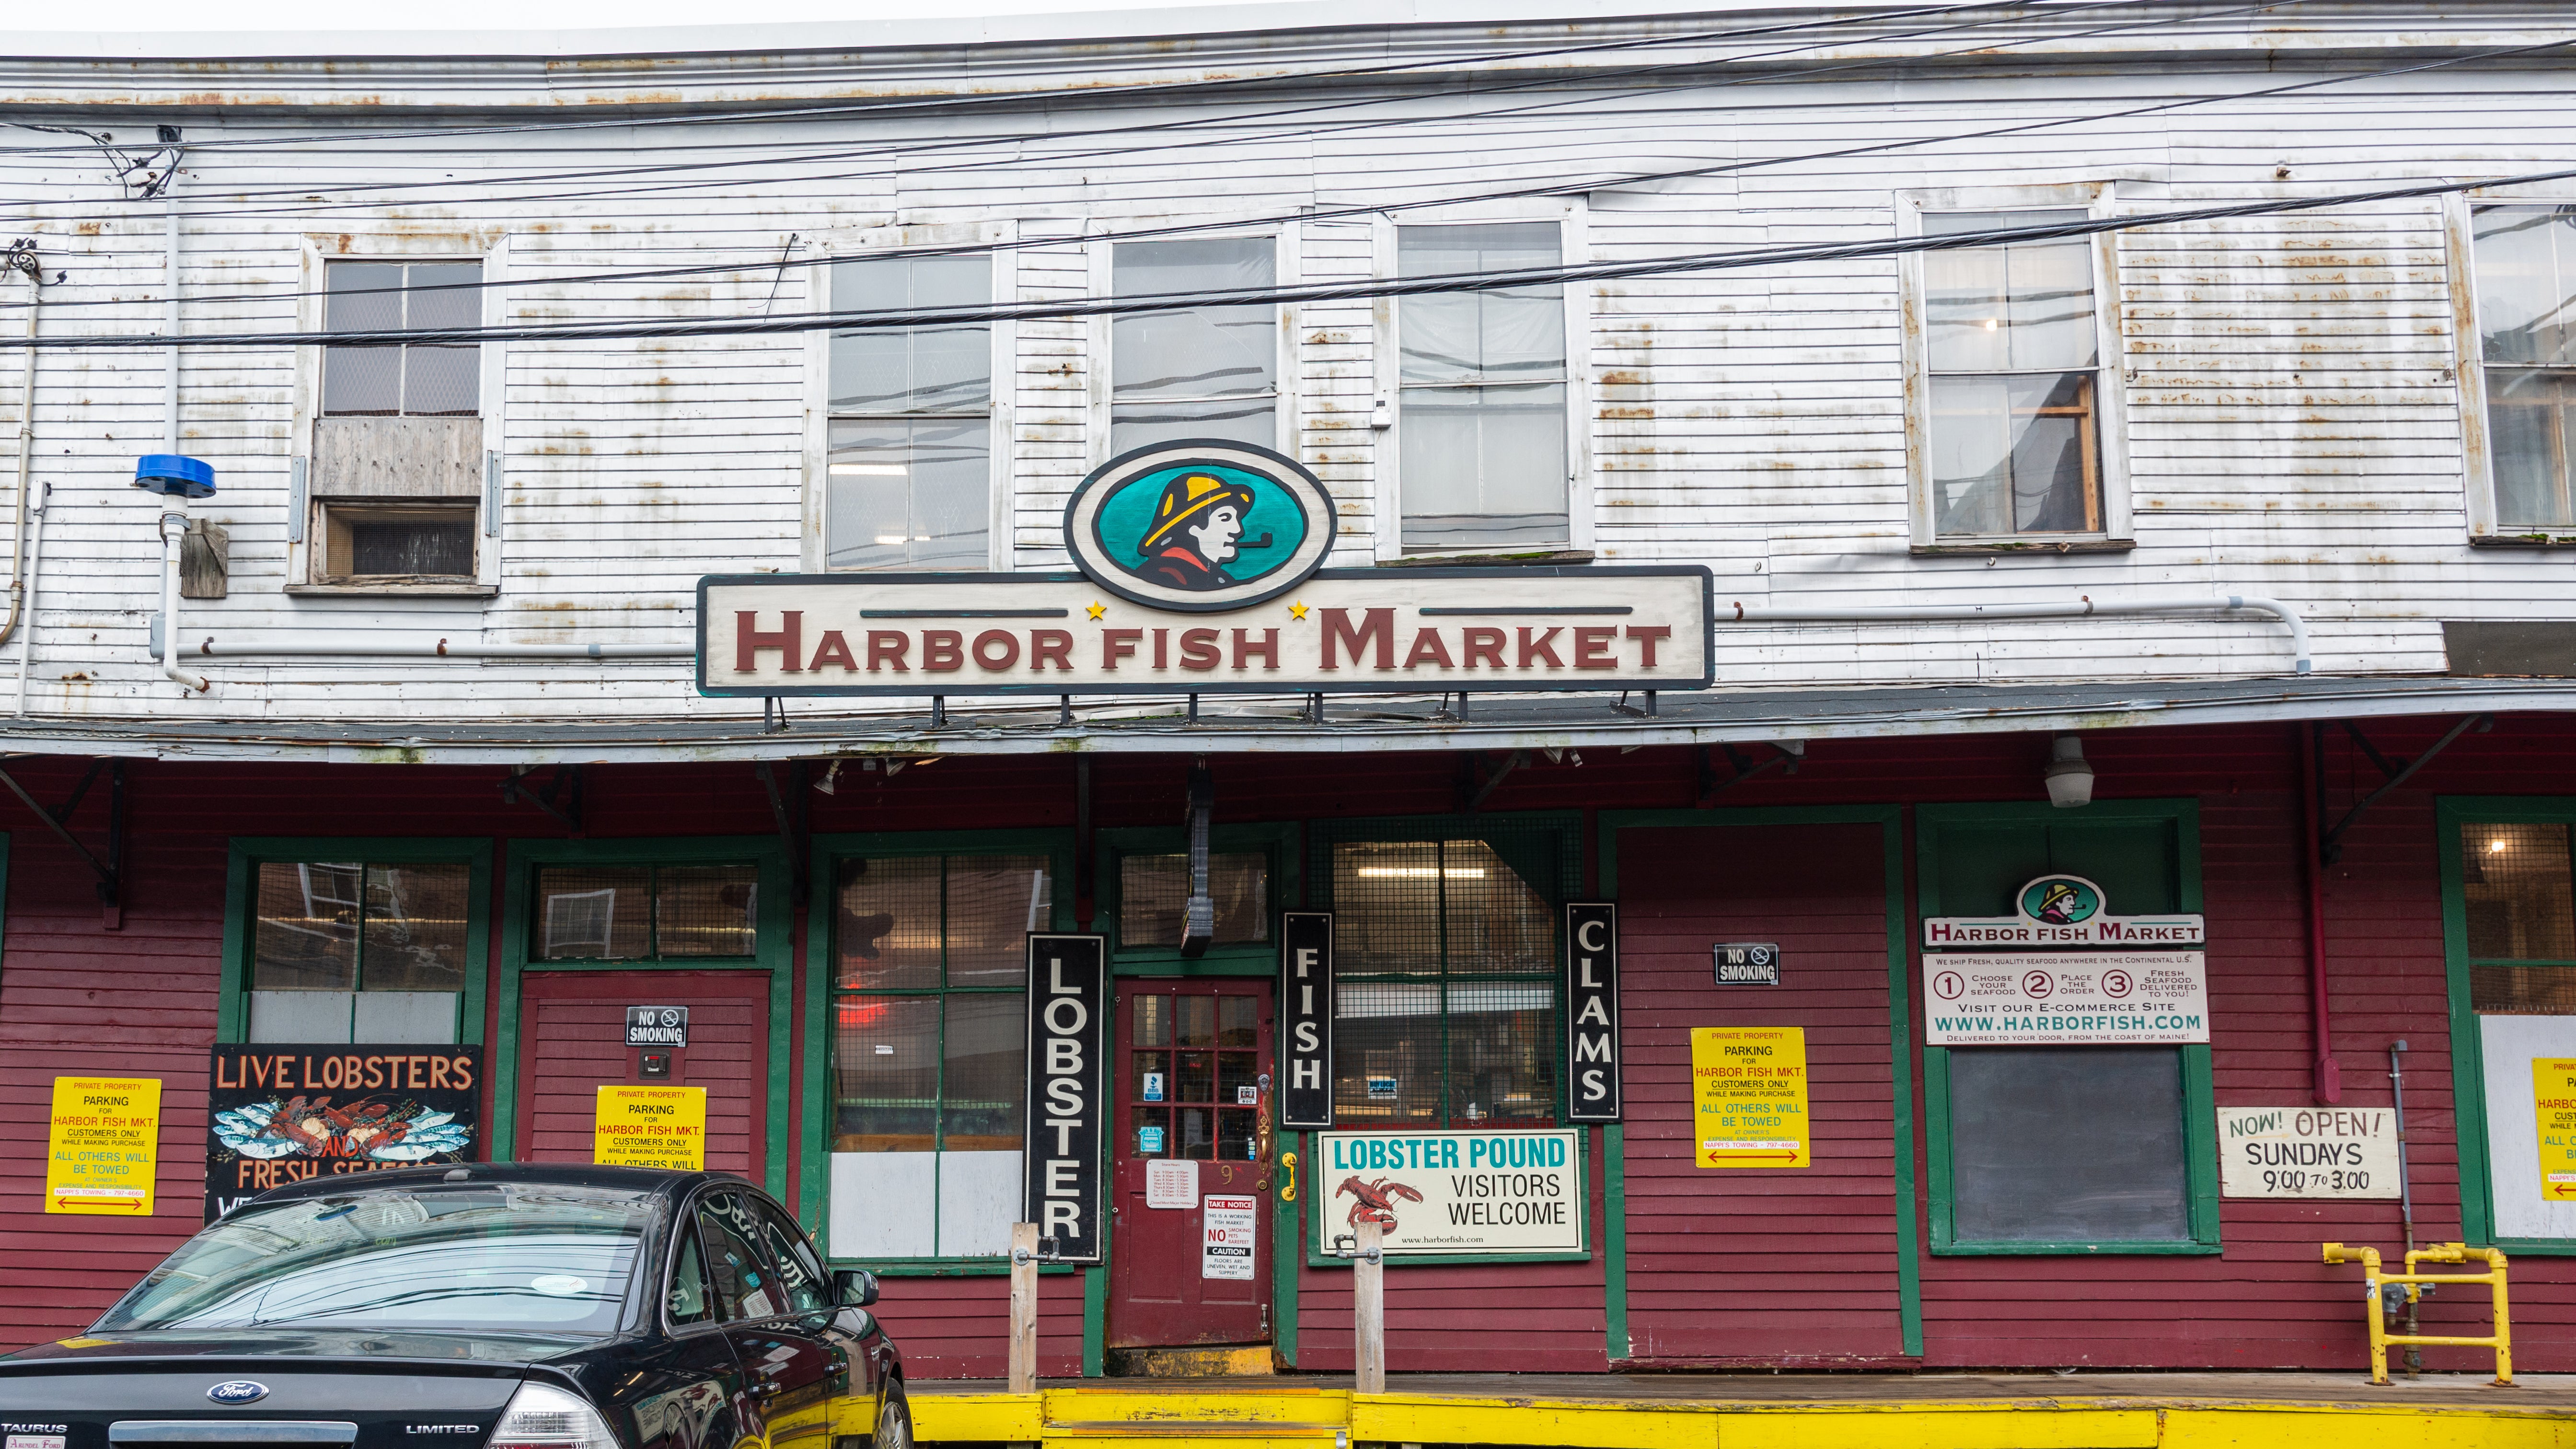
{"x":479,"y":188}
{"x":1326,"y":214}
{"x":1491,"y":281}
{"x":1149,"y":90}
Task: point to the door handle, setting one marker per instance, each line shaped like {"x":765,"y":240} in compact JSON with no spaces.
{"x":767,"y":1389}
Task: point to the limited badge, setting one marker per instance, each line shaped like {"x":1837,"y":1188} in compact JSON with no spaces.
{"x":1199,"y":526}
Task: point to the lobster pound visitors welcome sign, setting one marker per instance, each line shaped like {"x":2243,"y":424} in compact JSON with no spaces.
{"x":1199,"y":571}
{"x":1450,"y":1193}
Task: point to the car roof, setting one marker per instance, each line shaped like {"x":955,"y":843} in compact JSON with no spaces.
{"x":644,"y":1182}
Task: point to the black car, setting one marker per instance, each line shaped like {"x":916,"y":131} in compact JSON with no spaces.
{"x":491,"y":1306}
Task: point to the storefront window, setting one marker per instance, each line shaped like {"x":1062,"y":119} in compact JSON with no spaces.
{"x":1445,"y":958}
{"x":2519,"y":893}
{"x":930,"y":968}
{"x":350,"y":951}
{"x":646,"y":912}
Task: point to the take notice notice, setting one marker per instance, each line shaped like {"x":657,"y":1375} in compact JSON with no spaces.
{"x":1749,"y":1096}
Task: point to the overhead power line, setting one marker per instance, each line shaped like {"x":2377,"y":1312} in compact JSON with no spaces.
{"x":1490,"y":281}
{"x":1312,"y":215}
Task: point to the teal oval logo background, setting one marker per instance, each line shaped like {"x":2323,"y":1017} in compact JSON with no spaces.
{"x":1199,"y":526}
{"x":1126,"y":518}
{"x":2061,"y":899}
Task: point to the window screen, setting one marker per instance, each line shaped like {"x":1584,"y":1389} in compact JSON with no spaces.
{"x":1207,"y":372}
{"x":2526,"y":270}
{"x":1154,"y":895}
{"x":2068,"y":1145}
{"x":1445,"y":966}
{"x":646,"y":912}
{"x":357,"y":952}
{"x":908,"y":484}
{"x":405,"y":379}
{"x":930,"y":964}
{"x":1484,"y":444}
{"x":2012,"y":349}
{"x":2520,"y":897}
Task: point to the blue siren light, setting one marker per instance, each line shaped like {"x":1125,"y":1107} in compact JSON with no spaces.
{"x":174,"y":476}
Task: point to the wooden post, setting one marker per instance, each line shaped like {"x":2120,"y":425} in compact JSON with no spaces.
{"x":1024,"y":1308}
{"x":1368,"y":1307}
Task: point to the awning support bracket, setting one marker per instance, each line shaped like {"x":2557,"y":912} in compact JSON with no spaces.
{"x":1502,"y":772}
{"x":110,"y":872}
{"x":2330,"y":845}
{"x":787,"y":809}
{"x":560,"y":796}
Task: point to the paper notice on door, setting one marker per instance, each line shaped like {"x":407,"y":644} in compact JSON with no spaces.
{"x":1228,"y":1228}
{"x":1172,"y":1182}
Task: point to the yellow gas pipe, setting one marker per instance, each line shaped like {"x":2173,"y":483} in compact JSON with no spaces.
{"x":2377,"y":1313}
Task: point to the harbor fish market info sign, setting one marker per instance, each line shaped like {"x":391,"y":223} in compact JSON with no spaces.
{"x":1200,"y":571}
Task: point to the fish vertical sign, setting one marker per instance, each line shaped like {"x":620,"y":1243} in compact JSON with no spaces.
{"x":1068,"y":1095}
{"x":280,"y":1114}
{"x":1306,"y":1017}
{"x":1592,"y":1011}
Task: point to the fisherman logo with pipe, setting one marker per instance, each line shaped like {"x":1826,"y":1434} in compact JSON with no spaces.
{"x":1231,"y":539}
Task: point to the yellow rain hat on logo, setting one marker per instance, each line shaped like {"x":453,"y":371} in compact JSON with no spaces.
{"x":1186,"y":498}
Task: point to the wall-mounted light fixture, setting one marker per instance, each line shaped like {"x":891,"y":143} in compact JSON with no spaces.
{"x":2070,"y":778}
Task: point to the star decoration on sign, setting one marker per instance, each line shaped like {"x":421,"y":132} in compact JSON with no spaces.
{"x":1098,"y":608}
{"x":1297,"y":611}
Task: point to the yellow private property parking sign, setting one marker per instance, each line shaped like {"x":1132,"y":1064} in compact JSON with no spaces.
{"x":651,"y":1127}
{"x":1749,"y":1096}
{"x":103,"y":1146}
{"x":2553,"y":1100}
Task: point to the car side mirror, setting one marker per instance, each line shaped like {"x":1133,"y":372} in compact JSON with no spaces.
{"x":854,"y":1288}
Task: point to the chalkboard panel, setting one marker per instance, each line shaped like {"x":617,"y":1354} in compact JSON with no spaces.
{"x":2067,"y":1145}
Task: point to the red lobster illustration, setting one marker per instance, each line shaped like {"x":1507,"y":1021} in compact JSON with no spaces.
{"x":1376,"y":1199}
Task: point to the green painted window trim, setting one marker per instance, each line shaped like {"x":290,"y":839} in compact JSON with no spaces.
{"x":1280,"y":841}
{"x":774,"y":953}
{"x":814,"y":1184}
{"x":1890,"y":821}
{"x":241,"y":915}
{"x":2468,"y":1049}
{"x":2199,"y":1101}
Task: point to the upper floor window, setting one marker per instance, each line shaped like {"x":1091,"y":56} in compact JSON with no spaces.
{"x":354,"y":951}
{"x":412,"y":379}
{"x":2011,"y":343}
{"x":2526,"y":282}
{"x":1484,"y":446}
{"x":909,"y":480}
{"x":1208,"y":372}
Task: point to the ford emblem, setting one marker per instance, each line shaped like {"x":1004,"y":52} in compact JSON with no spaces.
{"x":238,"y":1391}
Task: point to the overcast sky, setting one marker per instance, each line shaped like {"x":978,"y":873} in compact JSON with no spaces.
{"x":194,"y":15}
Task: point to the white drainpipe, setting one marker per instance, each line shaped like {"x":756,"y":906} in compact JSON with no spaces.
{"x":26,"y":263}
{"x":174,"y":512}
{"x":1967,"y":613}
{"x":35,"y":575}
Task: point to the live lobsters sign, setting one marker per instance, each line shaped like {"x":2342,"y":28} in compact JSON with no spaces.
{"x":1199,"y":570}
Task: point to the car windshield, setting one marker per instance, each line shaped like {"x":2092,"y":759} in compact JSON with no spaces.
{"x":482,"y":1256}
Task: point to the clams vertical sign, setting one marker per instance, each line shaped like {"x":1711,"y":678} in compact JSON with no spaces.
{"x":1068,"y":1095}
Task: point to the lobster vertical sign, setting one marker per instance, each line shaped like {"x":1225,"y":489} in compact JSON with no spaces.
{"x":1592,"y":1011}
{"x":1306,"y":1020}
{"x":1068,"y":1095}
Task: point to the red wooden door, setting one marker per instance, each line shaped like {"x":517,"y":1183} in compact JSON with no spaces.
{"x":1190,"y":1096}
{"x":572,"y":1033}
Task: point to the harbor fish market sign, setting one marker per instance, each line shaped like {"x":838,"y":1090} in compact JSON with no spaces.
{"x":1200,"y":571}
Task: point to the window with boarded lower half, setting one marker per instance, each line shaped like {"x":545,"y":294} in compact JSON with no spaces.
{"x":2073,"y":1148}
{"x":355,"y":941}
{"x":1445,"y":968}
{"x":929,"y":1005}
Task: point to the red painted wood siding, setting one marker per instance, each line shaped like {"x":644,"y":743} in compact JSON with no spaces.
{"x":952,"y":1327}
{"x":573,"y":1041}
{"x":1746,"y":1265}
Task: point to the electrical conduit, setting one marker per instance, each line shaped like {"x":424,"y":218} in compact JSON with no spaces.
{"x":35,"y":574}
{"x":2085,"y":607}
{"x":23,"y":260}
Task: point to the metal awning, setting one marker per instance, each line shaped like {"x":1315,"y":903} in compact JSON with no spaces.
{"x":1281,"y":726}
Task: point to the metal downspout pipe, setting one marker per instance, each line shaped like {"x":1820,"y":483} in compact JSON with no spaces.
{"x":35,"y":575}
{"x":174,"y":512}
{"x":2083,"y":608}
{"x":2328,"y":1084}
{"x":23,"y":260}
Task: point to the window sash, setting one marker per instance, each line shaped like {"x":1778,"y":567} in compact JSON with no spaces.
{"x":654,"y":906}
{"x":427,"y":379}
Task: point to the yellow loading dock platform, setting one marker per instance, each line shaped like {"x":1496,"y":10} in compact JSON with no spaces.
{"x":1762,"y":1411}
